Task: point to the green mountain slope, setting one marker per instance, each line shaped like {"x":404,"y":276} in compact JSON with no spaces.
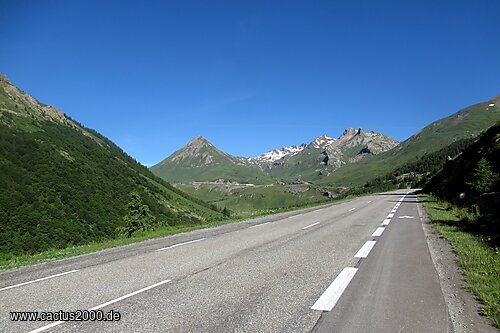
{"x":242,"y":199}
{"x":466,"y":123}
{"x":269,"y":181}
{"x":62,"y":184}
{"x":472,"y":180}
{"x":457,"y":176}
{"x":199,"y":160}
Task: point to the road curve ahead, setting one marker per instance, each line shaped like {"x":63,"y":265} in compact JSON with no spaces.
{"x":357,"y":266}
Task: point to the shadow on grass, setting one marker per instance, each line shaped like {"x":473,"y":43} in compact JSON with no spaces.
{"x":481,"y":227}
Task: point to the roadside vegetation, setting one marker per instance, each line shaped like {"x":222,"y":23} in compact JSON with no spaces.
{"x":479,"y":259}
{"x":462,"y":201}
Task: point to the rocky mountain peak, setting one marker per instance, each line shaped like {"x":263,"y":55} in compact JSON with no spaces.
{"x":198,"y":142}
{"x":25,"y":105}
{"x":322,"y":140}
{"x":348,"y":133}
{"x":4,"y":78}
{"x":199,"y":148}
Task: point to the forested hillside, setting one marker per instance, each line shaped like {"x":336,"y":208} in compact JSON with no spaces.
{"x":473,"y":181}
{"x":62,"y":184}
{"x":467,"y":123}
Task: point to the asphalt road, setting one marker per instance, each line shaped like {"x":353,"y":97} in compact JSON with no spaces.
{"x":311,"y":270}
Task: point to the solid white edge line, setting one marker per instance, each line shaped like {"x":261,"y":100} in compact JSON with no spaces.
{"x":38,"y":280}
{"x":258,"y":225}
{"x":311,"y":225}
{"x":43,"y":328}
{"x":365,"y":249}
{"x":350,"y":210}
{"x":378,"y":232}
{"x":386,"y":222}
{"x":332,"y":294}
{"x":180,"y":244}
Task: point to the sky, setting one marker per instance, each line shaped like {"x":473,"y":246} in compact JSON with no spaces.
{"x":251,"y":76}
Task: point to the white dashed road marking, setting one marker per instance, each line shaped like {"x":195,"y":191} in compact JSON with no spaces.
{"x":378,"y":232}
{"x":365,"y":249}
{"x":310,"y":225}
{"x":332,"y":294}
{"x":38,"y":280}
{"x":180,"y":244}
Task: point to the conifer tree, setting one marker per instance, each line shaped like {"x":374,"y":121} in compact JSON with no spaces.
{"x":138,"y":216}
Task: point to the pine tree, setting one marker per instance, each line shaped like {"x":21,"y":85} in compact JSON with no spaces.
{"x":138,"y":216}
{"x":483,"y":178}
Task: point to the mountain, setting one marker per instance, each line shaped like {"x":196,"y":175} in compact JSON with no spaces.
{"x":63,"y":184}
{"x":271,"y":180}
{"x":472,"y":180}
{"x":199,"y":160}
{"x":466,"y":123}
{"x":276,"y":154}
{"x":458,"y":176}
{"x":325,"y":154}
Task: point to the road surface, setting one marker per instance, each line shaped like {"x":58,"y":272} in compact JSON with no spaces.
{"x":357,"y":266}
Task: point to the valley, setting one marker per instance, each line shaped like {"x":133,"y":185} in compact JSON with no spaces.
{"x":326,"y":168}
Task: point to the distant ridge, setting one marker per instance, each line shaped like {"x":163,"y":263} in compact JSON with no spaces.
{"x":466,"y":123}
{"x":199,"y":160}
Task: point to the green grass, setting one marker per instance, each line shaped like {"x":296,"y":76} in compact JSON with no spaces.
{"x":256,"y":199}
{"x":481,"y":262}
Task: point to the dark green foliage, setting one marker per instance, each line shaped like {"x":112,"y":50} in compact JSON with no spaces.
{"x":138,"y":215}
{"x":484,"y":177}
{"x":431,"y":163}
{"x":60,"y":187}
{"x":472,"y":181}
{"x":414,"y":173}
{"x":226,"y":212}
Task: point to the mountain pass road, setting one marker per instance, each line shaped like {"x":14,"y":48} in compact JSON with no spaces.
{"x":358,"y":266}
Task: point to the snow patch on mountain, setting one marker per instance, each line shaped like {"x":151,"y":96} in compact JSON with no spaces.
{"x":277,"y":154}
{"x":322,"y":141}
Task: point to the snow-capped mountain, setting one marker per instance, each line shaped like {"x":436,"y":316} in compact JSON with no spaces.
{"x":199,"y":160}
{"x":322,"y":141}
{"x":277,"y":154}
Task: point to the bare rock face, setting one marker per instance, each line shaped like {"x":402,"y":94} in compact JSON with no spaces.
{"x":27,"y":106}
{"x":327,"y":152}
{"x":199,"y":149}
{"x":348,"y":134}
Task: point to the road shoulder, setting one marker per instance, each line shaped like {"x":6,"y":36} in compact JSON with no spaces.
{"x":463,"y":308}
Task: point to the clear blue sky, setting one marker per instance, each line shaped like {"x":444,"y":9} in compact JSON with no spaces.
{"x":251,"y":75}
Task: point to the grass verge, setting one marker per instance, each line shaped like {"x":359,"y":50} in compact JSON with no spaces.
{"x":480,"y":261}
